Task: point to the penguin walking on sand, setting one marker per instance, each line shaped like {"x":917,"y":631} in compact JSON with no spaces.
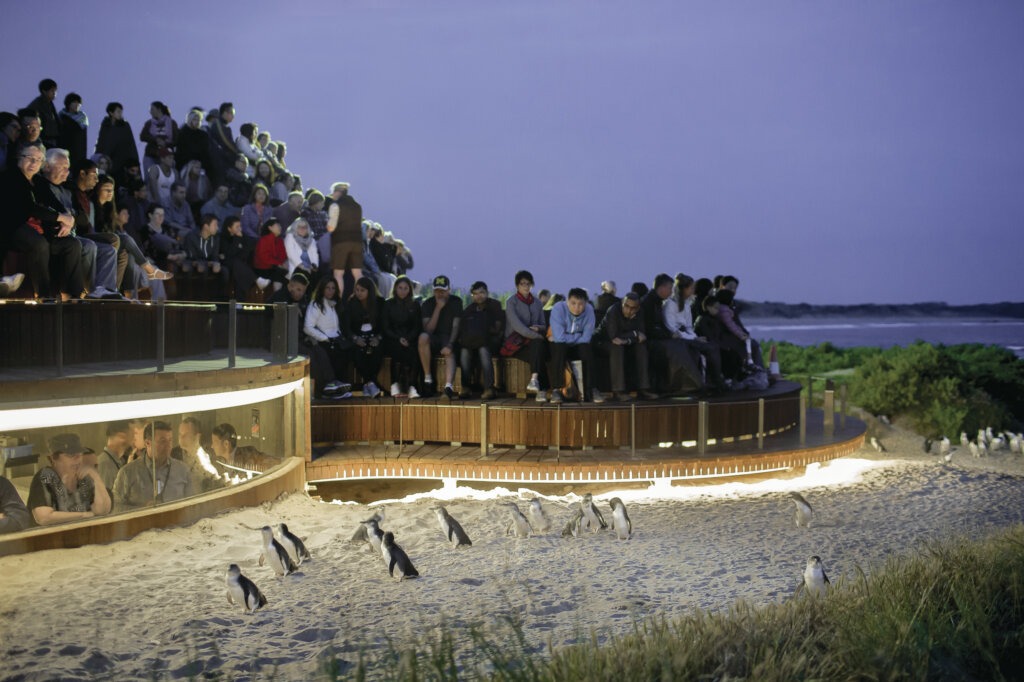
{"x":621,"y":524}
{"x":964,"y":440}
{"x":295,"y":547}
{"x":815,"y":580}
{"x":374,"y":535}
{"x":927,"y":446}
{"x":944,"y":446}
{"x":397,"y":560}
{"x":360,"y":534}
{"x":973,"y":447}
{"x":518,"y":524}
{"x":877,"y":445}
{"x":804,"y":512}
{"x":575,"y":525}
{"x":538,"y":519}
{"x":275,"y":554}
{"x":595,"y":521}
{"x":948,"y":457}
{"x":243,"y":591}
{"x":451,"y":528}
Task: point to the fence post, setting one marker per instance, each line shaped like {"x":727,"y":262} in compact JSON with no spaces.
{"x":232,"y":332}
{"x":760,"y":423}
{"x":828,"y":407}
{"x":702,"y":427}
{"x":60,"y":337}
{"x":160,"y":340}
{"x":632,"y":429}
{"x":803,"y":421}
{"x":483,"y":429}
{"x":279,"y":333}
{"x":810,"y":391}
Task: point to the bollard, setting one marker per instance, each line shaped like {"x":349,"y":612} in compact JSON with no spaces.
{"x":829,"y":407}
{"x":232,"y":332}
{"x":160,"y":330}
{"x":760,"y":423}
{"x":803,"y":421}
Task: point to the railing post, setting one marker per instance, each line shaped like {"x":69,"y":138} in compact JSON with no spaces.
{"x":60,"y":337}
{"x":702,"y":427}
{"x":842,"y":407}
{"x":760,"y":423}
{"x":160,"y":340}
{"x":232,"y":332}
{"x":401,"y":427}
{"x":279,"y":333}
{"x":803,"y":421}
{"x":632,"y":430}
{"x":810,"y":391}
{"x":483,"y":429}
{"x":828,"y":408}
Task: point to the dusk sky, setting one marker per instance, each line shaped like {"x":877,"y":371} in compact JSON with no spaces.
{"x":823,"y":152}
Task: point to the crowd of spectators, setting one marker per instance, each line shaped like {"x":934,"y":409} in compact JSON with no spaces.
{"x":112,"y":225}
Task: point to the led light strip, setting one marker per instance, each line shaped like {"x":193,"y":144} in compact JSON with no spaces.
{"x":46,"y":417}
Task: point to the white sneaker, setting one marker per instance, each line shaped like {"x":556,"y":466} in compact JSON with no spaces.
{"x":13,"y":282}
{"x":262,"y":282}
{"x":542,"y":397}
{"x":413,"y":393}
{"x":533,"y":386}
{"x":395,"y":390}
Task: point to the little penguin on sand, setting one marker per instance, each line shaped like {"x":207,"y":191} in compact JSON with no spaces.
{"x":275,"y":554}
{"x":243,"y":591}
{"x":517,"y":522}
{"x":575,"y":525}
{"x":815,"y":580}
{"x":804,"y":512}
{"x":621,"y":524}
{"x":538,"y":519}
{"x":374,"y":535}
{"x":360,"y":534}
{"x":398,"y":562}
{"x":451,"y":528}
{"x":296,"y":548}
{"x":595,"y":521}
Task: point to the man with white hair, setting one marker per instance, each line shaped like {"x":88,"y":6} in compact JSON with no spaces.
{"x":345,"y":225}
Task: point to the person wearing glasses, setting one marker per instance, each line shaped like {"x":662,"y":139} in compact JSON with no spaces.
{"x":621,"y":337}
{"x":526,"y":333}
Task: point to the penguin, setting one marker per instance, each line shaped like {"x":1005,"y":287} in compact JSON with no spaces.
{"x":877,"y":445}
{"x":451,"y":528}
{"x":989,"y":434}
{"x":815,"y":580}
{"x":927,"y":446}
{"x":374,"y":535}
{"x":948,"y":457}
{"x":296,"y":548}
{"x":982,"y":436}
{"x":974,"y":449}
{"x":243,"y":591}
{"x":275,"y":554}
{"x":621,"y":524}
{"x":804,"y":512}
{"x":944,"y":446}
{"x":592,"y":514}
{"x":396,"y":558}
{"x":575,"y":525}
{"x":360,"y":534}
{"x":1015,"y":444}
{"x":982,"y":449}
{"x":517,"y":522}
{"x":964,"y":440}
{"x":997,"y":443}
{"x":538,"y":519}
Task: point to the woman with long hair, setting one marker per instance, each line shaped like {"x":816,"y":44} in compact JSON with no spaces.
{"x":401,"y":323}
{"x":257,"y":211}
{"x":108,"y":220}
{"x":159,"y":133}
{"x":322,"y":325}
{"x":362,"y":327}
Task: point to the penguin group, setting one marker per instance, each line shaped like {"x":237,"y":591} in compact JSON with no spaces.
{"x":814,"y":581}
{"x":283,"y":553}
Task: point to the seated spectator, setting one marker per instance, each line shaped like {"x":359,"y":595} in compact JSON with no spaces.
{"x":269,"y":258}
{"x":679,"y":320}
{"x":67,"y":490}
{"x":247,"y":144}
{"x":316,"y":216}
{"x":287,"y":212}
{"x":640,"y":289}
{"x":297,"y":183}
{"x":193,"y":144}
{"x":115,"y":453}
{"x":384,"y":255}
{"x":161,"y":177}
{"x":572,"y":327}
{"x":322,"y":326}
{"x":109,"y":265}
{"x":544,"y":296}
{"x":604,"y":300}
{"x":73,"y":126}
{"x":672,"y":360}
{"x":178,"y":218}
{"x":233,"y":460}
{"x":236,"y":251}
{"x":256,"y":212}
{"x":735,"y":336}
{"x":197,"y":184}
{"x":14,"y":514}
{"x":222,"y":143}
{"x":160,"y":133}
{"x":239,"y":183}
{"x":102,"y":162}
{"x":284,"y":183}
{"x":301,"y":247}
{"x":159,"y":242}
{"x":481,"y":332}
{"x":47,"y":110}
{"x":401,"y":324}
{"x":282,"y":151}
{"x":403,"y":258}
{"x":31,"y":130}
{"x":154,"y":477}
{"x":10,"y":133}
{"x":117,"y":141}
{"x":360,"y":323}
{"x":219,"y":205}
{"x":441,"y":313}
{"x":202,"y":247}
{"x":619,"y":337}
{"x":526,"y":333}
{"x":265,"y":175}
{"x":43,"y":234}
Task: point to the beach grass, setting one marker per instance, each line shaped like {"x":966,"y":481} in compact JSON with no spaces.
{"x":952,"y":610}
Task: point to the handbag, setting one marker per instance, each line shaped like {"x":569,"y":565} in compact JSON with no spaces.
{"x":513,"y":342}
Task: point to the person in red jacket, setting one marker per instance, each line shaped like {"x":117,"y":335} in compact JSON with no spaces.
{"x":269,"y":259}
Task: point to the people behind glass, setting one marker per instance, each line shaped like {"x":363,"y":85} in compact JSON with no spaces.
{"x":14,"y":515}
{"x":193,"y":455}
{"x":234,"y":460}
{"x":68,"y":489}
{"x":115,"y":453}
{"x":155,"y":476}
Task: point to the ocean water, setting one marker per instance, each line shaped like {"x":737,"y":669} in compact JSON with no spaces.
{"x":846,"y":332}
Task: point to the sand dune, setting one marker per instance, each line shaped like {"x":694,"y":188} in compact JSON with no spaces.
{"x":155,"y":606}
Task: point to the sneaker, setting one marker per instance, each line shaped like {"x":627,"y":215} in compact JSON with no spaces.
{"x":556,"y":396}
{"x":648,"y":395}
{"x":449,"y":392}
{"x":542,"y":397}
{"x":370,"y":390}
{"x":395,"y":390}
{"x":413,"y":393}
{"x":533,"y":386}
{"x":332,"y":387}
{"x":596,"y":397}
{"x":488,"y":394}
{"x":262,"y":282}
{"x":12,"y":282}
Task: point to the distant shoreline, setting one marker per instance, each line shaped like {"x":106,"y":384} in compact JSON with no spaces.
{"x":751,"y":309}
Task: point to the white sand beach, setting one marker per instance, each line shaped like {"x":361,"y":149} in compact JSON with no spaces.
{"x":155,"y":606}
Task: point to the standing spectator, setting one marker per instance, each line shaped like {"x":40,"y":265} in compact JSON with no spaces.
{"x":525,"y":333}
{"x":117,"y":141}
{"x":160,"y":133}
{"x":73,"y":127}
{"x":193,"y":143}
{"x":384,"y":254}
{"x":67,"y":489}
{"x":441,"y":314}
{"x":361,"y":325}
{"x":401,"y":324}
{"x":236,"y":251}
{"x":345,"y":223}
{"x":14,"y":514}
{"x":301,"y":248}
{"x":222,"y":143}
{"x":47,"y":110}
{"x":481,"y":332}
{"x":247,"y":144}
{"x":269,"y":259}
{"x":256,"y":212}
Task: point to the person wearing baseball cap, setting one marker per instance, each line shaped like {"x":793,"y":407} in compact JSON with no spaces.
{"x":67,"y":489}
{"x":441,"y":315}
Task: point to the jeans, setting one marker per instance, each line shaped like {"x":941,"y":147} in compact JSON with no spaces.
{"x":484,"y":355}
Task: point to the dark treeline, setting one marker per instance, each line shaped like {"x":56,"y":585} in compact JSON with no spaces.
{"x":928,"y":309}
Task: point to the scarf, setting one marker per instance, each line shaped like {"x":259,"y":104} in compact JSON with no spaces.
{"x":78,"y":117}
{"x":528,"y":300}
{"x":303,"y":242}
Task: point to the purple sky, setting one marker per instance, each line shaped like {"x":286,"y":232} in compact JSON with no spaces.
{"x":822,"y":152}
